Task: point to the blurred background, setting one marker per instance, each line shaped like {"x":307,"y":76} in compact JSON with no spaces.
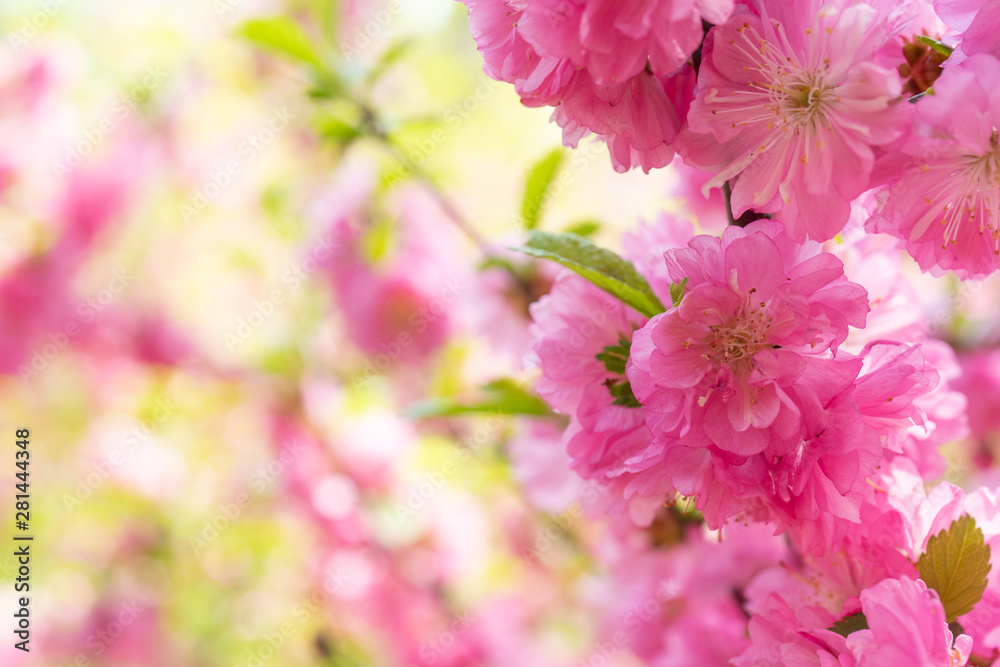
{"x":255,"y":308}
{"x":220,"y":471}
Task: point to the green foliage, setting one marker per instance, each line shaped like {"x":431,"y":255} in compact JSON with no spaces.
{"x":598,"y":265}
{"x":502,"y":396}
{"x":621,"y":391}
{"x":283,"y":36}
{"x":329,"y":18}
{"x":391,"y":56}
{"x":282,"y":361}
{"x":584,"y":228}
{"x":941,"y":48}
{"x":379,"y":238}
{"x":677,"y":291}
{"x":335,"y":129}
{"x":327,"y":85}
{"x":849,"y":624}
{"x":539,"y":179}
{"x":614,"y":357}
{"x":956,"y":564}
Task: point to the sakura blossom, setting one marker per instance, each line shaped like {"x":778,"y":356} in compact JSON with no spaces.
{"x":941,"y":201}
{"x":430,"y":381}
{"x":787,"y":97}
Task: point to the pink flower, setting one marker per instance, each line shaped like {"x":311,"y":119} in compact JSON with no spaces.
{"x":980,"y":382}
{"x":396,"y":294}
{"x":145,"y":640}
{"x":791,"y":105}
{"x":607,"y":439}
{"x":944,"y":192}
{"x":508,"y":57}
{"x":677,"y":603}
{"x":615,"y":42}
{"x":904,"y":393}
{"x":620,"y":72}
{"x":906,"y":627}
{"x":542,"y":467}
{"x":927,"y":513}
{"x":644,"y":247}
{"x":39,"y":312}
{"x":937,"y":413}
{"x":637,"y":118}
{"x":778,"y":637}
{"x":795,"y":602}
{"x":724,"y":364}
{"x":979,"y":23}
{"x":741,"y":386}
{"x":893,"y":378}
{"x":384,"y":320}
{"x":496,"y":304}
{"x":944,"y":410}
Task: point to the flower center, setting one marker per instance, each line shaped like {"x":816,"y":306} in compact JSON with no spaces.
{"x":788,"y":93}
{"x":744,"y":336}
{"x":968,"y":190}
{"x":806,"y":98}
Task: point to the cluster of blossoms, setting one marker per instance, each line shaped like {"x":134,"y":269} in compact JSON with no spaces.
{"x":797,"y":108}
{"x":730,"y":444}
{"x":791,"y":384}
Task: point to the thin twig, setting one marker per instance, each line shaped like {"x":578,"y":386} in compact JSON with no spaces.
{"x":443,"y":201}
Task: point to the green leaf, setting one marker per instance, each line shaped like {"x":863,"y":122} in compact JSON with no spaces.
{"x":283,"y":36}
{"x":333,"y":128}
{"x":500,"y":396}
{"x":956,"y":564}
{"x":318,"y":94}
{"x":849,"y":624}
{"x":378,"y":238}
{"x":539,"y":179}
{"x":941,"y":48}
{"x":677,"y":291}
{"x":327,"y":85}
{"x":494,"y":262}
{"x":621,"y":391}
{"x":584,"y":228}
{"x":329,"y":19}
{"x":614,"y":357}
{"x":392,"y":55}
{"x":598,"y":265}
